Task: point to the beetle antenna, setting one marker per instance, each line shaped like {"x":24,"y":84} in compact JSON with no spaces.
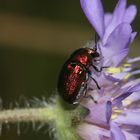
{"x":96,"y":40}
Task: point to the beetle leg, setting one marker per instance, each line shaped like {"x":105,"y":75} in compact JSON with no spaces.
{"x":89,"y":73}
{"x":82,"y":92}
{"x":99,"y":70}
{"x":89,"y":96}
{"x":95,"y":82}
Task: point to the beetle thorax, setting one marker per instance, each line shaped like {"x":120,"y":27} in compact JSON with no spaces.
{"x":84,"y":60}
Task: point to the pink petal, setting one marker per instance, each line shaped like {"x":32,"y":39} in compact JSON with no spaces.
{"x":94,"y":12}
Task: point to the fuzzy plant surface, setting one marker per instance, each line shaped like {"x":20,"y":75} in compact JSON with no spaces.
{"x":116,"y":113}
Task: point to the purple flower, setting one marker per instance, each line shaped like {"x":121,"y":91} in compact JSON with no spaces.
{"x":116,"y":115}
{"x":113,"y":29}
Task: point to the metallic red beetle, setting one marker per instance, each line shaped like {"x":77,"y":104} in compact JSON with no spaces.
{"x":72,"y":82}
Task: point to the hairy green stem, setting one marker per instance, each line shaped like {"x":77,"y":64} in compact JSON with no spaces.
{"x":26,"y":115}
{"x":54,"y":114}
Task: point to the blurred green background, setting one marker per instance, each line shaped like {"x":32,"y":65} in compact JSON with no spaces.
{"x":35,"y":39}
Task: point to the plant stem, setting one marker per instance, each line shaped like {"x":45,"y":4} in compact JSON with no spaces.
{"x":52,"y":113}
{"x":26,"y":115}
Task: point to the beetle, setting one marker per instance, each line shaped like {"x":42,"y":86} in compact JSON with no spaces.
{"x":73,"y":77}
